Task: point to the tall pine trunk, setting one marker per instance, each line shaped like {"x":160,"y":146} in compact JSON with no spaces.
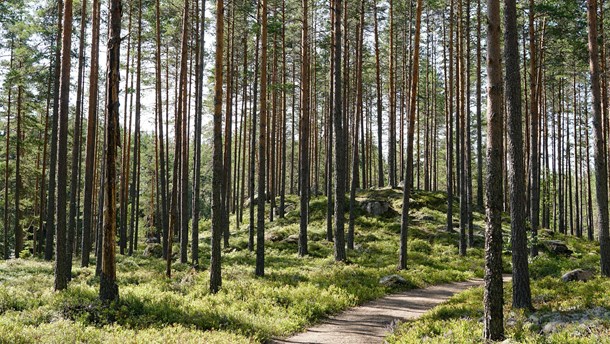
{"x":493,"y":325}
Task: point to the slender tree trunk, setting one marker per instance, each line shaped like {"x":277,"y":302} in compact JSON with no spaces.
{"x":61,"y":265}
{"x":159,"y":112}
{"x":197,"y":151}
{"x":392,"y":101}
{"x":76,"y":143}
{"x":522,"y":297}
{"x":136,"y":141}
{"x":6,"y":163}
{"x":493,"y":326}
{"x":601,"y":176}
{"x":304,"y":134}
{"x":109,"y":291}
{"x":479,"y":120}
{"x":357,"y":117}
{"x":253,"y":150}
{"x":50,"y":225}
{"x":380,"y":179}
{"x":534,"y":159}
{"x":217,"y":216}
{"x":123,"y":200}
{"x":404,"y":227}
{"x":340,"y":160}
{"x":262,"y":144}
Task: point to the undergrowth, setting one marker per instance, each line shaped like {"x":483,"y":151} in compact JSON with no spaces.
{"x":572,"y":312}
{"x":295,"y":292}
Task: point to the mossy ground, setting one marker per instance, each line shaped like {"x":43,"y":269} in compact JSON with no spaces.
{"x":581,"y":310}
{"x":295,"y":292}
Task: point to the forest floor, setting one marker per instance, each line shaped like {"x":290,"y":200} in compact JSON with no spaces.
{"x":371,"y":322}
{"x":295,"y":293}
{"x":564,"y":312}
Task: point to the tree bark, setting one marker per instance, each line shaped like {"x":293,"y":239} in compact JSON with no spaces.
{"x":601,"y":174}
{"x":340,"y":160}
{"x":522,"y":296}
{"x":262,"y":144}
{"x":493,"y":326}
{"x":304,"y":134}
{"x":109,"y":290}
{"x":404,"y":227}
{"x":217,"y":217}
{"x":61,"y":264}
{"x":50,"y":225}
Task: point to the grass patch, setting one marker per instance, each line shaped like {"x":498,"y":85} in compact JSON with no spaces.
{"x":153,"y":308}
{"x":573,"y":312}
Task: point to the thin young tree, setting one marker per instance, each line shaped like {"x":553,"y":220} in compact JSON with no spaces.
{"x":357,"y":117}
{"x":76,"y":145}
{"x":136,"y":140}
{"x":304,"y":134}
{"x":340,"y":151}
{"x":50,"y":224}
{"x":534,"y":159}
{"x":91,"y":135}
{"x":404,"y":224}
{"x":6,"y":161}
{"x":380,"y":179}
{"x":197,"y":142}
{"x":162,"y":146}
{"x":18,"y":182}
{"x":262,"y":144}
{"x":217,"y":168}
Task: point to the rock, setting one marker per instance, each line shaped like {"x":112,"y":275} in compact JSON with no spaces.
{"x":557,"y":247}
{"x":393,"y":281}
{"x":152,"y":240}
{"x":153,"y":250}
{"x":292,"y":239}
{"x":376,"y":208}
{"x":273,"y":237}
{"x":548,"y":232}
{"x":248,"y":200}
{"x":551,"y":327}
{"x":508,"y":341}
{"x":288,"y":207}
{"x":577,"y":275}
{"x":533,"y":319}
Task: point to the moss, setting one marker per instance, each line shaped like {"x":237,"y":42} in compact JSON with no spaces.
{"x":153,"y":308}
{"x":582,"y":307}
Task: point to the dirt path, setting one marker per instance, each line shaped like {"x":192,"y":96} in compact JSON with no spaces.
{"x":371,"y":322}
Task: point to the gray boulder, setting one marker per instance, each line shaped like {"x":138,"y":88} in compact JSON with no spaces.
{"x":376,"y":208}
{"x":551,"y":327}
{"x":393,"y":281}
{"x":291,"y":239}
{"x":577,"y":275}
{"x":288,"y":207}
{"x":273,"y":236}
{"x":557,"y":247}
{"x":152,"y":240}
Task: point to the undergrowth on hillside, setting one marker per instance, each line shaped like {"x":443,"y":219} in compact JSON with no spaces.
{"x":572,"y":312}
{"x":295,"y":292}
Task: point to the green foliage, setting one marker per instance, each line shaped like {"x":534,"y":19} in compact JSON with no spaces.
{"x":577,"y":312}
{"x":153,"y":308}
